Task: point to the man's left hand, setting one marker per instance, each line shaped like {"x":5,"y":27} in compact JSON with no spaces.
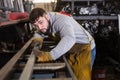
{"x":42,"y":56}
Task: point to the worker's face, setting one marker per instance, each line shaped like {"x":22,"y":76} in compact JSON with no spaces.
{"x":42,"y":23}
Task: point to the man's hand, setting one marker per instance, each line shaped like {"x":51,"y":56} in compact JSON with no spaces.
{"x":37,"y":42}
{"x":42,"y":56}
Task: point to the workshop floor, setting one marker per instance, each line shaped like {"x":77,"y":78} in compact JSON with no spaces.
{"x":105,"y":71}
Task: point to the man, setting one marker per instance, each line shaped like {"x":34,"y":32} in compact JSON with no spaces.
{"x":74,"y":40}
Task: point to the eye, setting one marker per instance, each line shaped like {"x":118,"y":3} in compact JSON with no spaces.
{"x":40,"y":21}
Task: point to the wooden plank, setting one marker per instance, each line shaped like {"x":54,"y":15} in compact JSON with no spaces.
{"x":27,"y":72}
{"x":4,"y":72}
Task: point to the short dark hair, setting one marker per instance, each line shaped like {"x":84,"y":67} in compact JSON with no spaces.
{"x":36,"y":13}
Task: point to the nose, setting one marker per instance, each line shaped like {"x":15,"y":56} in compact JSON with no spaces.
{"x":39,"y":26}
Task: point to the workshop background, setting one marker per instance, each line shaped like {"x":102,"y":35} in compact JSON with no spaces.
{"x":99,"y":17}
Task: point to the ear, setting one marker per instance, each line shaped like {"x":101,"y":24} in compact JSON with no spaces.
{"x":47,"y":17}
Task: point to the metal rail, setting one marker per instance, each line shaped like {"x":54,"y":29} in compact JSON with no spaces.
{"x":55,"y":79}
{"x":69,"y":68}
{"x":4,"y":72}
{"x":30,"y":66}
{"x":27,"y":72}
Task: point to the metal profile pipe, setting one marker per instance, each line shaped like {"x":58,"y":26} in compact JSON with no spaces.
{"x":27,"y":72}
{"x":6,"y":70}
{"x":21,"y":5}
{"x":69,"y":69}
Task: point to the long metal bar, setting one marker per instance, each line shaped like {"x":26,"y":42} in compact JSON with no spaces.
{"x":27,"y":72}
{"x":55,"y":79}
{"x":102,"y":17}
{"x":119,"y":23}
{"x":119,"y":35}
{"x":5,"y":3}
{"x":20,"y":2}
{"x":82,"y":0}
{"x":50,"y":66}
{"x":69,"y":69}
{"x":15,"y":4}
{"x":9,"y":3}
{"x":51,"y":79}
{"x":45,"y":66}
{"x":4,"y":72}
{"x":1,"y":3}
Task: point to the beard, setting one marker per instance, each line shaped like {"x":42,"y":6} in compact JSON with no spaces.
{"x":46,"y":31}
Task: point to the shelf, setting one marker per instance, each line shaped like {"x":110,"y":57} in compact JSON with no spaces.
{"x":82,"y":0}
{"x":13,"y":22}
{"x":95,"y":17}
{"x":91,"y":17}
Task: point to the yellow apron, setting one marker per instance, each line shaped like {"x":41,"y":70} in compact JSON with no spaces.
{"x":79,"y":58}
{"x":80,"y":61}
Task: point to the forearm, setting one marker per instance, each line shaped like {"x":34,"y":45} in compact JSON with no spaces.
{"x":63,"y":46}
